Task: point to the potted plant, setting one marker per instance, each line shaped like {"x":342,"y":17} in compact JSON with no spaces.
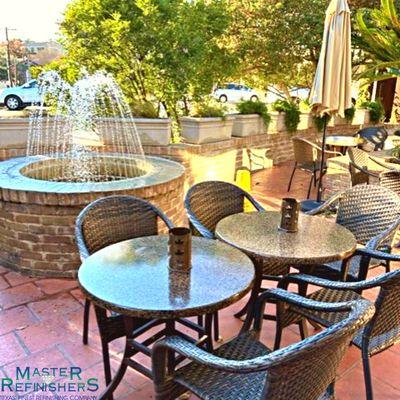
{"x":376,"y":111}
{"x":253,"y":118}
{"x":288,"y":112}
{"x":349,"y":114}
{"x":207,"y":123}
{"x":319,"y":121}
{"x":306,"y":116}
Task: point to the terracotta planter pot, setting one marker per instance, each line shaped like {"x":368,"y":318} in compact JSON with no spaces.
{"x":206,"y":130}
{"x":248,"y":125}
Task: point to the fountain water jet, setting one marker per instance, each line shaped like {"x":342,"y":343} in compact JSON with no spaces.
{"x":85,"y":148}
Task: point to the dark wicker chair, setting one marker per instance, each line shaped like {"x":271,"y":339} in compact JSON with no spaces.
{"x":372,"y":214}
{"x":104,"y":222}
{"x":358,"y":167}
{"x":245,"y":369}
{"x":374,"y":138}
{"x":209,"y":202}
{"x":307,"y":156}
{"x":382,"y":332}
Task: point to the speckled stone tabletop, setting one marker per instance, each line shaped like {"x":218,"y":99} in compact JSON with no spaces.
{"x":133,"y":278}
{"x":317,"y":241}
{"x":343,"y":141}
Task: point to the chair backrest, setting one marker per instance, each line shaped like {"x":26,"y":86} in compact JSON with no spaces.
{"x":374,"y":138}
{"x":207,"y":203}
{"x":358,"y":162}
{"x":384,"y":329}
{"x":390,"y":180}
{"x":368,"y":210}
{"x":114,"y":219}
{"x":303,"y":371}
{"x":305,"y":152}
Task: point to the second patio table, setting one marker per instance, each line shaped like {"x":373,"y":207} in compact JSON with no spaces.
{"x":133,"y":278}
{"x":317,"y":241}
{"x":342,"y":142}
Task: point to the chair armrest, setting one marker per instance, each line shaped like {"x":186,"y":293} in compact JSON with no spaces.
{"x":326,"y":205}
{"x":376,"y":241}
{"x":333,"y":153}
{"x":254,"y":202}
{"x":336,"y":285}
{"x":380,"y":255}
{"x":363,"y":170}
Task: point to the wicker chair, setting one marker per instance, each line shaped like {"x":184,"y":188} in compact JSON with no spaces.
{"x":104,"y":222}
{"x":358,"y":167}
{"x":374,"y":138}
{"x":209,"y":202}
{"x":372,"y":214}
{"x":382,"y":332}
{"x":390,"y":180}
{"x":307,"y":157}
{"x":245,"y":369}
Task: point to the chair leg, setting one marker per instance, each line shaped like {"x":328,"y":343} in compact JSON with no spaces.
{"x":291,"y":177}
{"x":200,"y":322}
{"x":309,"y":186}
{"x":106,"y":362}
{"x":367,"y":375}
{"x":387,"y":266}
{"x":216,"y":326}
{"x":303,"y":328}
{"x":278,"y":336}
{"x":86,"y":313}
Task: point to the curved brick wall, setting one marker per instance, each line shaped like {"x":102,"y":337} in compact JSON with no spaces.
{"x":37,"y":229}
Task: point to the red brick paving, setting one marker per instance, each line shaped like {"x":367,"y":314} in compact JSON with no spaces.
{"x":41,"y":324}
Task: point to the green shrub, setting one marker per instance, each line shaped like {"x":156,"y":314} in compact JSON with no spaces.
{"x":292,"y":113}
{"x":376,"y":110}
{"x":349,"y":114}
{"x":255,"y":107}
{"x":396,"y":152}
{"x":144,"y":109}
{"x":208,"y":108}
{"x":319,"y":121}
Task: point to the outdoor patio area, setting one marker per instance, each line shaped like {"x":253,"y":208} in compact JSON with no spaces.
{"x":41,"y":324}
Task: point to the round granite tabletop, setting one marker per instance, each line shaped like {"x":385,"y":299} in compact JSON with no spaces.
{"x":133,"y":278}
{"x":317,"y":240}
{"x":343,"y":141}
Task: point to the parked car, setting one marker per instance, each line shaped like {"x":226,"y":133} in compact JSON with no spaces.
{"x":296,"y":93}
{"x":234,"y":92}
{"x":18,"y":97}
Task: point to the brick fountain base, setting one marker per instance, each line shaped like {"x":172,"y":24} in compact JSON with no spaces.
{"x":37,"y":216}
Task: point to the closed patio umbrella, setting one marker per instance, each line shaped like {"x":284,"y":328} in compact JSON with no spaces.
{"x":331,"y":91}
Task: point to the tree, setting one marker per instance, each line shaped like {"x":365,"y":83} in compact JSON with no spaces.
{"x":170,"y":51}
{"x":379,"y":37}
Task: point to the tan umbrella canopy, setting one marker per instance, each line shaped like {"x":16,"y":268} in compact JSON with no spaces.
{"x":331,"y":92}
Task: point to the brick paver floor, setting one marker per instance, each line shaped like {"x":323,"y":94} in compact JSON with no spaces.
{"x":41,"y":325}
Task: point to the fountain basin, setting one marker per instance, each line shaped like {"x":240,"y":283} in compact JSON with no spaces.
{"x":38,"y":209}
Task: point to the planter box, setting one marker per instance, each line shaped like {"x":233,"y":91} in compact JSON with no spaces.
{"x":361,"y":117}
{"x":339,"y":121}
{"x":306,"y":121}
{"x":277,"y":123}
{"x":247,"y":125}
{"x":154,"y":131}
{"x":206,"y":130}
{"x":14,"y":132}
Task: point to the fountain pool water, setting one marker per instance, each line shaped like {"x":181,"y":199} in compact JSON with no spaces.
{"x":85,"y":148}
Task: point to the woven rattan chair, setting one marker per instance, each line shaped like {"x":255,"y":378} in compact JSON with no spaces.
{"x":358,"y":167}
{"x":209,"y":202}
{"x":104,"y":222}
{"x":307,"y":156}
{"x":392,"y":164}
{"x":245,"y":369}
{"x":382,"y":332}
{"x":390,"y":180}
{"x":372,"y":214}
{"x":373,"y":138}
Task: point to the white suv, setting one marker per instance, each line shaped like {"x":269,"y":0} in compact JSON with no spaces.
{"x":234,"y":92}
{"x":18,"y":97}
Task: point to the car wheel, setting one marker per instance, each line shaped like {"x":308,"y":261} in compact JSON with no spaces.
{"x":254,"y":98}
{"x":223,"y":98}
{"x":13,"y":103}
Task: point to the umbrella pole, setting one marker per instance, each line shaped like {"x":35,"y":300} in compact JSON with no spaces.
{"x":321,"y":173}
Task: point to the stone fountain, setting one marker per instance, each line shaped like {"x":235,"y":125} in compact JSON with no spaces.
{"x":85,"y":148}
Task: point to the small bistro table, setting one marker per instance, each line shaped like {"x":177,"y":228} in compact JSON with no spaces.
{"x":317,"y":241}
{"x":133,"y":278}
{"x":342,"y":142}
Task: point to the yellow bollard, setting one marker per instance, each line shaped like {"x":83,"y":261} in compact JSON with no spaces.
{"x":243,"y":180}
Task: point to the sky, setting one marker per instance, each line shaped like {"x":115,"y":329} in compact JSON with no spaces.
{"x":32,"y":19}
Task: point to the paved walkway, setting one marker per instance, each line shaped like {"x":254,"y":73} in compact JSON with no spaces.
{"x":41,"y":324}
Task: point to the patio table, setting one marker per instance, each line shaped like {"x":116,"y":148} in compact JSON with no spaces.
{"x":133,"y":278}
{"x":317,"y":241}
{"x":342,"y":142}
